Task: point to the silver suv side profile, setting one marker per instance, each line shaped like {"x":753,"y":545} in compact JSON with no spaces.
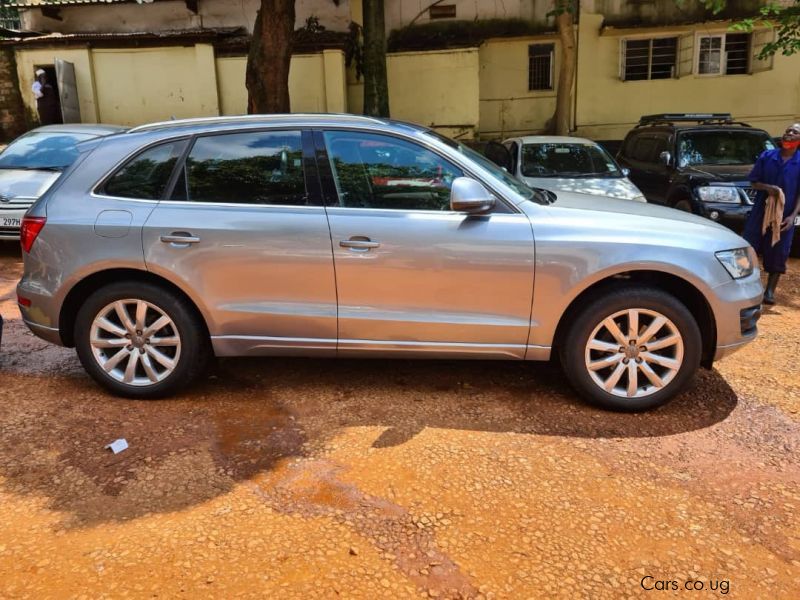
{"x":339,"y":235}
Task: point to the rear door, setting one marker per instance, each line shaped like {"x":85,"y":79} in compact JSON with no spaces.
{"x":648,"y":173}
{"x":244,"y":231}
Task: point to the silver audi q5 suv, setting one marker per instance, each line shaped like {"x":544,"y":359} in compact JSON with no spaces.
{"x":338,"y":235}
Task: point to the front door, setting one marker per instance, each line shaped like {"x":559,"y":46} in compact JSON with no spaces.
{"x":245,"y":231}
{"x":413,"y":276}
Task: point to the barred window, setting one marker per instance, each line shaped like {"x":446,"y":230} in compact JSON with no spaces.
{"x":727,"y":54}
{"x":649,"y":59}
{"x":737,"y":53}
{"x":540,"y":67}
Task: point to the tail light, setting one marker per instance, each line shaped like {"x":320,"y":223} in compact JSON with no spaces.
{"x":29,"y":231}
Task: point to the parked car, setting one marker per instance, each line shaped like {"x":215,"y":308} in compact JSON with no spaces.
{"x":339,"y":235}
{"x":570,"y":164}
{"x":697,"y":163}
{"x":33,"y":162}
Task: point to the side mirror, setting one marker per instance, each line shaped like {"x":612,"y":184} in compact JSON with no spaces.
{"x":665,"y":157}
{"x":468,"y":195}
{"x":626,"y":171}
{"x":499,"y":155}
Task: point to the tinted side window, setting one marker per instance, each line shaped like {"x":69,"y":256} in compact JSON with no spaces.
{"x":377,"y":171}
{"x":628,"y":145}
{"x":245,"y":168}
{"x":644,"y":149}
{"x":147,"y":174}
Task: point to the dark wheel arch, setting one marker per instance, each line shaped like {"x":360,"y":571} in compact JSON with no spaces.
{"x":684,"y":291}
{"x":86,"y":287}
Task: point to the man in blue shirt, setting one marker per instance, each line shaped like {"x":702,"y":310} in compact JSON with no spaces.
{"x":777,"y":169}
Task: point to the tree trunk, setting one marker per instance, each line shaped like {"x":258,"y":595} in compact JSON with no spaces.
{"x":560,"y":124}
{"x":270,"y":54}
{"x":376,"y":88}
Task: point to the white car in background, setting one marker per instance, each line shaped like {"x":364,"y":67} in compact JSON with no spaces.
{"x":571,"y":164}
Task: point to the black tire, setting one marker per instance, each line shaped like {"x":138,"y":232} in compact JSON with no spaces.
{"x":573,"y":346}
{"x":683,"y":205}
{"x":195,"y":348}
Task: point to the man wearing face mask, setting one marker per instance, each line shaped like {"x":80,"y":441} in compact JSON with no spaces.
{"x":776,"y":173}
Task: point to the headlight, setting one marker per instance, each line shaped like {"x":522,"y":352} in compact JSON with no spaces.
{"x":738,"y":263}
{"x":718,"y":193}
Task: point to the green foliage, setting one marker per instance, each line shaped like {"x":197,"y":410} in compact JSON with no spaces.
{"x":784,"y":18}
{"x":458,"y":34}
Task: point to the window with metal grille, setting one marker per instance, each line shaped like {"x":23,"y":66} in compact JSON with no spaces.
{"x":727,"y":54}
{"x":737,"y":53}
{"x":540,"y":67}
{"x":649,"y":59}
{"x":442,"y":11}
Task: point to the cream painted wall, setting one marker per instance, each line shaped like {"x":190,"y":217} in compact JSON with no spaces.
{"x":316,"y":83}
{"x":507,"y":107}
{"x":28,"y":60}
{"x":607,"y":107}
{"x":136,"y":86}
{"x":436,"y":89}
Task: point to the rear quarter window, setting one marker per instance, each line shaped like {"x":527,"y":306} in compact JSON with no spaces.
{"x":146,"y":175}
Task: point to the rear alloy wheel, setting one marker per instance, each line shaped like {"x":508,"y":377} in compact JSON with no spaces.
{"x":139,"y":340}
{"x":632,"y":349}
{"x":135,"y":342}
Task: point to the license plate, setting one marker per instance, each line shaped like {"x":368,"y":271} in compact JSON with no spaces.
{"x":797,"y":220}
{"x":10,"y":222}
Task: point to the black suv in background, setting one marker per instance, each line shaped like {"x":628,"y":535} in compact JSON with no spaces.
{"x":695,"y":162}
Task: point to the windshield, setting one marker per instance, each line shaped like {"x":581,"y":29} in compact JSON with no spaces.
{"x":722,"y":147}
{"x":500,"y":173}
{"x":567,"y":160}
{"x":43,"y":150}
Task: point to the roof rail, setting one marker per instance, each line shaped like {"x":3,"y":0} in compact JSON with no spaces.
{"x":670,"y":118}
{"x":249,"y":118}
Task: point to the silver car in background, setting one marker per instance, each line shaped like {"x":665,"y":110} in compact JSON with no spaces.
{"x":33,"y":162}
{"x":569,"y":164}
{"x":338,"y":235}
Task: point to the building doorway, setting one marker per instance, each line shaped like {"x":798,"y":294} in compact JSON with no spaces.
{"x":49,"y":104}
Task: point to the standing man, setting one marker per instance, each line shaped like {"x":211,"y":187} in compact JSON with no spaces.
{"x":775,"y":171}
{"x":46,"y":99}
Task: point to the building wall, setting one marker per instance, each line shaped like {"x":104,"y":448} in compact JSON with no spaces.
{"x":13,"y":120}
{"x":400,"y":13}
{"x":507,"y":107}
{"x":166,"y":16}
{"x":29,"y":60}
{"x":438,"y":89}
{"x":132,"y":86}
{"x":154,"y":84}
{"x":607,"y":107}
{"x":316,"y":83}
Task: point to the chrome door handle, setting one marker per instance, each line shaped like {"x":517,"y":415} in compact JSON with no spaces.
{"x":177,"y":238}
{"x":359,"y":244}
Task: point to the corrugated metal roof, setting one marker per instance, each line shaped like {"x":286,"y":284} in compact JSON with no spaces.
{"x":41,"y":3}
{"x":219,"y":32}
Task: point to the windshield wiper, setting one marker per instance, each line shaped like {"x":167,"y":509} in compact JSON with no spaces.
{"x":22,"y":168}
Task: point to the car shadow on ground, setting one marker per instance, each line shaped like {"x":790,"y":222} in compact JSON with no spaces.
{"x":247,"y":415}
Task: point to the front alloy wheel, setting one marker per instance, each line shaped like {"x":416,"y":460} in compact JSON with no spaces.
{"x":634,"y":353}
{"x":633,"y":347}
